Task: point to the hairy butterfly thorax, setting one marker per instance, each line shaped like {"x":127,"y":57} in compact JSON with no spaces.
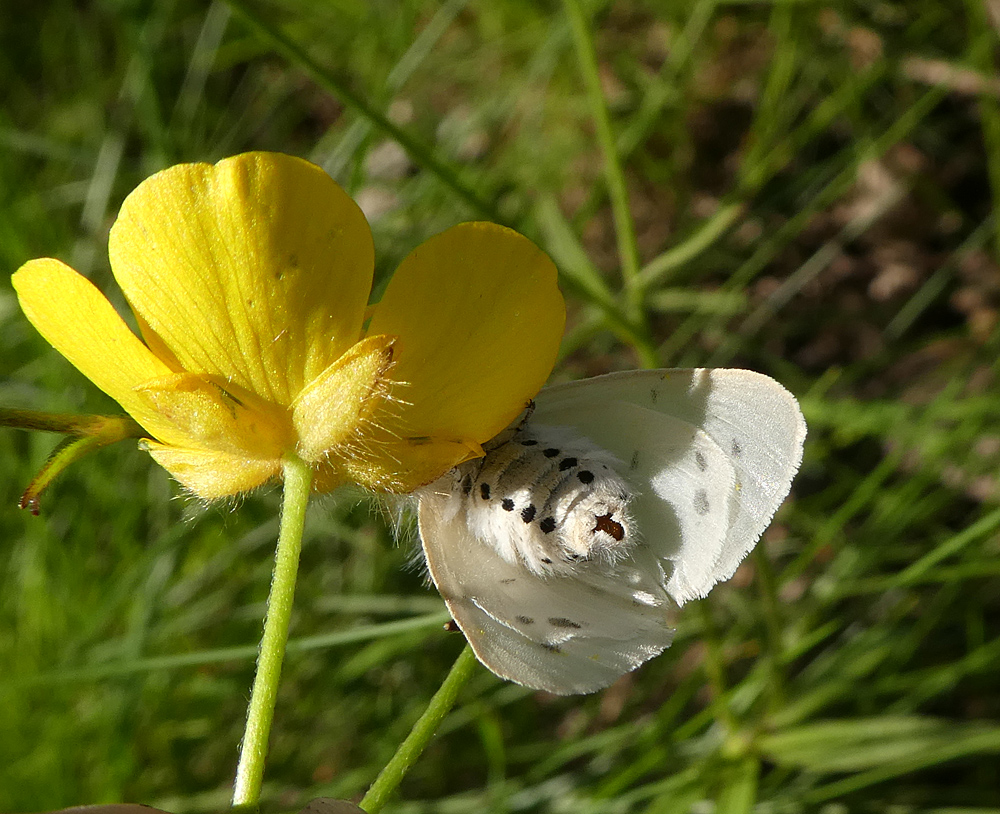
{"x":546,"y":498}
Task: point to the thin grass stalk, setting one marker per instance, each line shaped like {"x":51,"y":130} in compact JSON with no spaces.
{"x":420,"y":153}
{"x":628,"y":250}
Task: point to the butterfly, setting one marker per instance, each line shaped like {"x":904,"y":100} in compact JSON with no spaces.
{"x":564,"y":553}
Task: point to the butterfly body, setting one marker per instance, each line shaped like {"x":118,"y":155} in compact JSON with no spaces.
{"x":546,"y":499}
{"x":687,"y":466}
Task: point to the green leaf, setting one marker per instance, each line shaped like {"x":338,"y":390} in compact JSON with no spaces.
{"x":903,"y":743}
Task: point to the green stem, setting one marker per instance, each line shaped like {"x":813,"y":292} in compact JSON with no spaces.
{"x":772,"y":622}
{"x":326,"y":80}
{"x":109,"y":427}
{"x":69,"y":451}
{"x":85,"y":433}
{"x":423,"y":730}
{"x":253,"y":751}
{"x":715,"y":671}
{"x":704,"y":235}
{"x":628,"y":250}
{"x":982,"y":54}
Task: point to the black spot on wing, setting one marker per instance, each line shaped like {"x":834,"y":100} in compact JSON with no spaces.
{"x":737,"y":449}
{"x":586,"y":476}
{"x":484,"y":490}
{"x":563,"y":622}
{"x":551,"y":452}
{"x":701,"y":460}
{"x":552,"y":648}
{"x":528,"y":513}
{"x":567,"y":463}
{"x":507,"y":504}
{"x":507,"y":581}
{"x":654,"y":394}
{"x":548,"y":525}
{"x":701,"y":502}
{"x":525,"y":620}
{"x":529,"y":442}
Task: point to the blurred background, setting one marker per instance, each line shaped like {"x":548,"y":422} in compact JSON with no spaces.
{"x":802,"y":188}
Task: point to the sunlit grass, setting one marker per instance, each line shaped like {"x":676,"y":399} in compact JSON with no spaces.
{"x":804,"y":203}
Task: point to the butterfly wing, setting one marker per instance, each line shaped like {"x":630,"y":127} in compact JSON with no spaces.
{"x":712,"y":454}
{"x":566,"y":635}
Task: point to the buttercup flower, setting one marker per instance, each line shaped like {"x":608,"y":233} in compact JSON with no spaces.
{"x":249,"y":281}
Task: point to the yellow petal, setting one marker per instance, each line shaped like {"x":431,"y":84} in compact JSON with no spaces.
{"x":478,"y":319}
{"x":219,"y":416}
{"x":257,"y":268}
{"x":336,"y":406}
{"x":384,"y":462}
{"x":327,"y":477}
{"x":210,"y":474}
{"x":156,"y":345}
{"x":79,"y":322}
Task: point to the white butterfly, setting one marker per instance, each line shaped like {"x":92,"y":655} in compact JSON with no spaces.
{"x":564,"y":552}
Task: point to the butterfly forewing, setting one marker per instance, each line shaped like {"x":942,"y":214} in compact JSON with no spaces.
{"x":752,"y":421}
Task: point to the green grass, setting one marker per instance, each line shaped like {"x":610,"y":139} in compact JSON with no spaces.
{"x":808,"y":191}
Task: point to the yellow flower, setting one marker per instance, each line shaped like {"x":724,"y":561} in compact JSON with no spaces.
{"x":249,"y":281}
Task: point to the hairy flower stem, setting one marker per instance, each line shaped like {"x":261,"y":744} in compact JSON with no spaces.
{"x":253,"y":751}
{"x":423,"y":730}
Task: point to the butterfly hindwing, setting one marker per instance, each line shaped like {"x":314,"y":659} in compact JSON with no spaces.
{"x":561,"y":634}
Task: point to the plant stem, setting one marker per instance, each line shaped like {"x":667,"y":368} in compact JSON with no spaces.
{"x":423,"y":730}
{"x":628,"y":251}
{"x":420,"y":153}
{"x":253,"y":751}
{"x":771,"y":604}
{"x":982,"y":55}
{"x":716,"y":672}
